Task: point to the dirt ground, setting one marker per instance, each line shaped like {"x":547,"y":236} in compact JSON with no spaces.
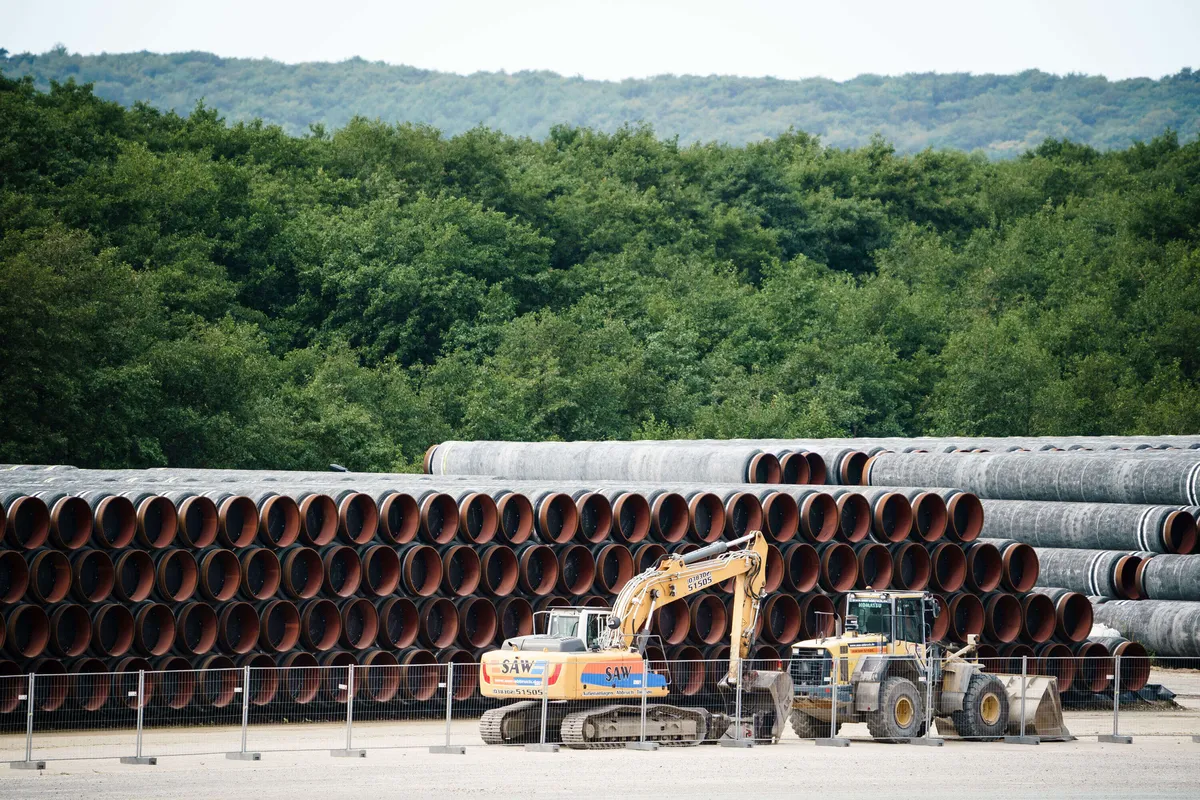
{"x":398,"y":764}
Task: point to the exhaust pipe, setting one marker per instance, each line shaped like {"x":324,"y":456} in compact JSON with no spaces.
{"x":439,"y":622}
{"x":238,"y":628}
{"x":92,"y":575}
{"x":301,"y":677}
{"x":439,"y":518}
{"x":1073,"y":613}
{"x":614,"y":567}
{"x":687,"y":670}
{"x":125,"y":680}
{"x":196,"y":629}
{"x":1094,"y":666}
{"x":114,"y":520}
{"x":839,"y":567}
{"x":874,"y":566}
{"x":1002,"y":617}
{"x":516,"y":517}
{"x":709,"y":620}
{"x":237,"y":518}
{"x":320,"y":625}
{"x":576,"y":569}
{"x":419,"y":674}
{"x":984,"y":567}
{"x":802,"y":567}
{"x":1056,"y":660}
{"x":479,"y":519}
{"x":461,"y":570}
{"x":360,"y":624}
{"x":1037,"y":618}
{"x":317,"y":518}
{"x":781,"y":616}
{"x":135,"y":576}
{"x":112,"y":630}
{"x":302,"y":573}
{"x":891,"y":518}
{"x":477,"y":622}
{"x":218,"y":680}
{"x":966,"y":615}
{"x":965,"y":514}
{"x":515,"y":618}
{"x":358,"y":518}
{"x":334,"y":677}
{"x":539,"y":569}
{"x":261,"y":574}
{"x":782,"y":516}
{"x":912,"y":568}
{"x":89,"y":684}
{"x":854,"y":517}
{"x":264,"y":678}
{"x":816,"y":616}
{"x":28,"y":521}
{"x":669,"y":515}
{"x":631,"y":518}
{"x":498,"y":570}
{"x":279,"y":626}
{"x":421,"y":569}
{"x":176,"y":682}
{"x":595,"y":517}
{"x":177,"y":575}
{"x":153,"y":629}
{"x":220,"y":575}
{"x":743,"y":513}
{"x":398,"y":623}
{"x":49,"y":577}
{"x":14,"y":576}
{"x":948,"y":568}
{"x":70,"y":630}
{"x":671,"y":622}
{"x":399,"y":518}
{"x":343,"y":571}
{"x":646,"y":556}
{"x":28,"y":632}
{"x":378,"y":676}
{"x":381,"y":570}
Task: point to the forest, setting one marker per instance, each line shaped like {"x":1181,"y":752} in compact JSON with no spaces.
{"x":1001,"y":115}
{"x":183,"y":290}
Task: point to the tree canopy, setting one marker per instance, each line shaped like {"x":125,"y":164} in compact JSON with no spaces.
{"x":182,"y":290}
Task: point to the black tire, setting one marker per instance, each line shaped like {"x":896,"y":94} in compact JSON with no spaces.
{"x":809,"y":727}
{"x":985,"y":709}
{"x":901,"y":714}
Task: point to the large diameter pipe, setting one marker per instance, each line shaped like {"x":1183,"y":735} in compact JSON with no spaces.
{"x":28,"y":520}
{"x":218,"y":679}
{"x":317,"y":522}
{"x":112,"y":630}
{"x":176,"y":576}
{"x":671,"y":621}
{"x":302,"y":573}
{"x":816,"y":616}
{"x":153,"y":629}
{"x":238,"y":628}
{"x":1002,"y":617}
{"x":381,"y":570}
{"x":708,"y":619}
{"x":301,"y":677}
{"x":647,"y":556}
{"x":687,"y":670}
{"x":477,"y":622}
{"x":1167,"y":577}
{"x":320,"y":624}
{"x":89,"y":684}
{"x":360,"y":624}
{"x":891,"y":513}
{"x":817,"y":512}
{"x":220,"y":575}
{"x":515,"y":618}
{"x":948,"y":567}
{"x":1020,"y":564}
{"x":358,"y":517}
{"x":669,"y":517}
{"x":912,"y":568}
{"x":499,"y":571}
{"x":614,"y":567}
{"x":461,"y":570}
{"x":70,"y":630}
{"x":14,"y":576}
{"x":539,"y":569}
{"x":49,"y":577}
{"x":1056,"y":660}
{"x":439,"y":517}
{"x":1167,"y":628}
{"x":516,"y":516}
{"x":1038,"y":618}
{"x":124,"y":673}
{"x":28,"y":631}
{"x":197,"y":518}
{"x":1134,"y":660}
{"x":1091,"y":572}
{"x":985,"y":567}
{"x":399,"y":622}
{"x":966,"y":614}
{"x":176,"y":682}
{"x":706,"y":513}
{"x":279,"y":626}
{"x":1073,"y":613}
{"x":93,"y":576}
{"x":196,"y":627}
{"x":378,"y":676}
{"x":595,"y":516}
{"x":1092,"y":526}
{"x":343,"y":571}
{"x":261,"y":574}
{"x":1095,"y":666}
{"x":114,"y":519}
{"x":334,"y":685}
{"x":421,"y":568}
{"x":264,"y":678}
{"x":854,"y":517}
{"x":781,"y":619}
{"x":420,"y":671}
{"x":802,"y":567}
{"x":874,"y":566}
{"x":839,"y":567}
{"x":439,"y":622}
{"x":157,"y":519}
{"x":399,"y":517}
{"x":237,"y":519}
{"x":70,"y":520}
{"x":576,"y":570}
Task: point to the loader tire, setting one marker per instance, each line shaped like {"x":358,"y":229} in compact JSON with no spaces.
{"x":901,"y":714}
{"x":809,"y":727}
{"x":984,"y":714}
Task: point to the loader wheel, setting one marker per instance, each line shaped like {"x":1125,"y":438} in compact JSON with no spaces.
{"x":985,"y":709}
{"x":809,"y":727}
{"x":901,"y":714}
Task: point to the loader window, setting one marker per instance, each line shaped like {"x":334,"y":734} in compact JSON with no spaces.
{"x":908,"y":620}
{"x":873,"y":616}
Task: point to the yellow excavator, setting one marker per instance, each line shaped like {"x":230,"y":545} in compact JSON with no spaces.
{"x":590,"y":665}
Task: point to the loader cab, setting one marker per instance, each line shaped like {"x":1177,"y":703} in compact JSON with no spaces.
{"x":899,"y":617}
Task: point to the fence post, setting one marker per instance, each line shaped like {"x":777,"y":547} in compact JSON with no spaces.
{"x":542,"y":746}
{"x":738,"y":740}
{"x":929,"y":740}
{"x":244,"y":690}
{"x":28,"y":763}
{"x":348,"y":751}
{"x":1116,"y":737}
{"x":141,"y":713}
{"x":833,"y":740}
{"x":447,"y":747}
{"x":642,"y":744}
{"x":1021,"y":737}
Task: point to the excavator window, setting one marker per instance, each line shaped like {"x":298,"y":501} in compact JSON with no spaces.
{"x":563,"y":626}
{"x":595,"y":624}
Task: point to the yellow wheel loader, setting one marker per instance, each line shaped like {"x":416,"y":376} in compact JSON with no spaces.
{"x":883,"y":672}
{"x":590,"y":664}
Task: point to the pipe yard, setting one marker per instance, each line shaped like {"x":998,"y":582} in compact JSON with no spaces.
{"x":279,"y":606}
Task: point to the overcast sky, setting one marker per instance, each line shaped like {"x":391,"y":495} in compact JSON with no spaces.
{"x":614,"y":40}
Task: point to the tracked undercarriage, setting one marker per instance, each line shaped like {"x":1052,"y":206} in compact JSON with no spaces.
{"x":599,"y":727}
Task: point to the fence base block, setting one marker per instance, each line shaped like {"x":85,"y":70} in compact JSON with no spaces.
{"x":450,"y":749}
{"x":1196,"y":739}
{"x":244,"y":756}
{"x":1115,"y":738}
{"x":736,"y":742}
{"x":27,"y":764}
{"x":1022,"y":740}
{"x":647,"y":746}
{"x":145,"y":761}
{"x":835,"y":741}
{"x":927,"y":741}
{"x":541,"y":748}
{"x":355,"y":753}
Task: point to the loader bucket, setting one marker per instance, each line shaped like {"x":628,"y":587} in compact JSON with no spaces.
{"x":1043,"y":708}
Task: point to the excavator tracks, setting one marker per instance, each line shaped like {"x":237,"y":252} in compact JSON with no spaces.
{"x":511,"y":724}
{"x":606,"y":727}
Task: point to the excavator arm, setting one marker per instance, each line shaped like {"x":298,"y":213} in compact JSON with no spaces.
{"x":679,"y":576}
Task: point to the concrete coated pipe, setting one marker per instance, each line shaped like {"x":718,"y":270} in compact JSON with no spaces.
{"x":439,"y":622}
{"x":261,"y":574}
{"x":461,"y":570}
{"x":1002,"y":617}
{"x":381,"y":570}
{"x":1038,"y":618}
{"x":237,"y":627}
{"x":176,"y":575}
{"x":1134,"y":661}
{"x":153,"y":629}
{"x":421,"y":570}
{"x":399,"y":622}
{"x":839,"y":567}
{"x":279,"y":626}
{"x":1167,"y":628}
{"x":92,"y":576}
{"x":477,"y":622}
{"x":1167,"y":577}
{"x":499,"y":571}
{"x":515,"y":618}
{"x":301,"y":677}
{"x":14,"y":576}
{"x":112,"y":630}
{"x":320,"y":624}
{"x":88,"y":681}
{"x":614,"y":567}
{"x":948,"y":567}
{"x":49,"y":577}
{"x":28,"y":520}
{"x":912,"y":568}
{"x":802,"y":567}
{"x":985,"y":567}
{"x":220,"y":575}
{"x":303,"y":573}
{"x":874,"y":566}
{"x":1073,"y":613}
{"x":539,"y":569}
{"x":343,"y":571}
{"x":70,"y":630}
{"x":196,"y":627}
{"x":1091,"y":572}
{"x":360,"y":624}
{"x":966,"y":615}
{"x":1092,"y":526}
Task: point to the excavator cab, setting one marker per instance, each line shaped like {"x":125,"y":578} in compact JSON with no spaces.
{"x":574,"y":629}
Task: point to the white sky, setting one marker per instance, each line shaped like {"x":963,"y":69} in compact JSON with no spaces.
{"x":622,"y":39}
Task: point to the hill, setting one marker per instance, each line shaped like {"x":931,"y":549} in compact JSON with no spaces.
{"x":1002,"y":115}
